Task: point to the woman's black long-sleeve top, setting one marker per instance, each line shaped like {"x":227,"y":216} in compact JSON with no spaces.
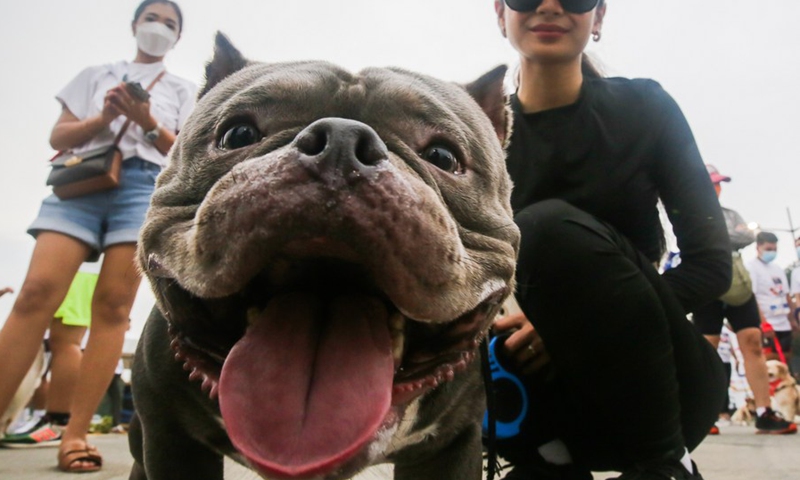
{"x":623,"y":145}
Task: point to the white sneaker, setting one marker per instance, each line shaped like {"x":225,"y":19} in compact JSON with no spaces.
{"x":26,"y":424}
{"x":723,"y":422}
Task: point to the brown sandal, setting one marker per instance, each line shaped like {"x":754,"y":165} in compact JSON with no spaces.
{"x":67,"y":460}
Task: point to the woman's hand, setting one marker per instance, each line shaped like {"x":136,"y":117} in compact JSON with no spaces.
{"x":119,"y":100}
{"x":110,"y":110}
{"x":525,"y":345}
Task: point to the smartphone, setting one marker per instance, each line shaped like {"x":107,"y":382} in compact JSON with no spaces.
{"x":137,"y":91}
{"x":510,"y":307}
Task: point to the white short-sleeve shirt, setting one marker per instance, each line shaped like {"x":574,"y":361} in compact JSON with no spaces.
{"x":171,"y":101}
{"x":770,"y":288}
{"x":795,"y":281}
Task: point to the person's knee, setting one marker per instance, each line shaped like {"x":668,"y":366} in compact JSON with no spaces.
{"x":110,"y":310}
{"x":36,"y":295}
{"x":543,"y":218}
{"x":545,"y":233}
{"x":557,"y":237}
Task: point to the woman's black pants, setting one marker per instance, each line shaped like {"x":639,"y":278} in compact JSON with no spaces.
{"x":631,"y":380}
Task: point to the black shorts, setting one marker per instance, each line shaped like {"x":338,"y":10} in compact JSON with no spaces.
{"x":784,"y":338}
{"x":709,"y":318}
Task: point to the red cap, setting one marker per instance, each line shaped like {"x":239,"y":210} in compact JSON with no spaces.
{"x":716,"y":177}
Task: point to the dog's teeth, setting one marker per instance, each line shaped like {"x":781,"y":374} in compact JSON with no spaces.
{"x":397,"y":323}
{"x":252,"y":314}
{"x":397,"y":350}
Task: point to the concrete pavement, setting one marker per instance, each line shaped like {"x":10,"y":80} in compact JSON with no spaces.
{"x":737,"y":454}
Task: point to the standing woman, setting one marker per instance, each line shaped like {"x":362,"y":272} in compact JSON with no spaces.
{"x":95,"y":105}
{"x":618,"y":378}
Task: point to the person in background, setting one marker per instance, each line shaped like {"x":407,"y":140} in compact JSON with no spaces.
{"x":725,"y":353}
{"x":95,"y":106}
{"x":745,"y":320}
{"x":794,"y":282}
{"x":771,"y":289}
{"x":67,"y":331}
{"x":618,"y":377}
{"x":794,"y":305}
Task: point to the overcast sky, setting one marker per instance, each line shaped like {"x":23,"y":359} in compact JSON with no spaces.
{"x":733,"y":67}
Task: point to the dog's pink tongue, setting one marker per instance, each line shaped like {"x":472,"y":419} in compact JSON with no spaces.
{"x":309,"y":384}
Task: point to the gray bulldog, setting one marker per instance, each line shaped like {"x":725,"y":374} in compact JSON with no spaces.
{"x":327,"y":250}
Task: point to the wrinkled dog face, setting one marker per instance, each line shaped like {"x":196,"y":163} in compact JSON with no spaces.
{"x":328,"y":246}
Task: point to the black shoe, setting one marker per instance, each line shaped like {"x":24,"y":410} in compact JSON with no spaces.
{"x":541,"y":470}
{"x":661,"y":470}
{"x":772,"y":422}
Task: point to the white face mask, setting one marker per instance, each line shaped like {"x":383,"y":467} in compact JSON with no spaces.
{"x":155,"y":38}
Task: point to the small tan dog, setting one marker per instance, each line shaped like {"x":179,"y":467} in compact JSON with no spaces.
{"x":745,"y":414}
{"x":783,"y":390}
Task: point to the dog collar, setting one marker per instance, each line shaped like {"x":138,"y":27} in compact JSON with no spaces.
{"x":775,"y":386}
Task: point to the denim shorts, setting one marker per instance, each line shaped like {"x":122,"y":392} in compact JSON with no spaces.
{"x":105,"y":218}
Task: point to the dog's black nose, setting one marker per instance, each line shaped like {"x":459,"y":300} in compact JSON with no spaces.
{"x":347,"y":145}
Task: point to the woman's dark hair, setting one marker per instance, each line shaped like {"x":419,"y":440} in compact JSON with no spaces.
{"x":588,"y":68}
{"x":146,"y":3}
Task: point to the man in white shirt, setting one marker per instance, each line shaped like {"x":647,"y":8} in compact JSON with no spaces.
{"x":794,"y":289}
{"x":771,"y":289}
{"x":794,"y":279}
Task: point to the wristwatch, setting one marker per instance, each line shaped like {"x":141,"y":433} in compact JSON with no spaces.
{"x":152,"y":135}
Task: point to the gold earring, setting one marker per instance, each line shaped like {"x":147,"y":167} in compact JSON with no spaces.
{"x":596,"y":36}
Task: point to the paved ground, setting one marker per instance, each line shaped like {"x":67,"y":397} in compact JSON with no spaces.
{"x":737,"y":454}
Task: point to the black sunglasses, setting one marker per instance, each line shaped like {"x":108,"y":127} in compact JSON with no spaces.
{"x":572,"y":6}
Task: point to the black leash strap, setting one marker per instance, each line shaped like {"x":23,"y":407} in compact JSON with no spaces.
{"x":491,"y":409}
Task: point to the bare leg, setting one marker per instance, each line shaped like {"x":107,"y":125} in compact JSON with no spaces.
{"x":39,"y":398}
{"x":755,"y":366}
{"x":65,"y":342}
{"x":111,"y":305}
{"x":55,"y":260}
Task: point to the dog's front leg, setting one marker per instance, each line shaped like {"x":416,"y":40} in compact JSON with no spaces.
{"x":461,"y":460}
{"x":179,"y":458}
{"x":174,"y":434}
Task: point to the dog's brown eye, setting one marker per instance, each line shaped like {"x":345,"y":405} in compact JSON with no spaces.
{"x":239,"y":136}
{"x":442,"y":158}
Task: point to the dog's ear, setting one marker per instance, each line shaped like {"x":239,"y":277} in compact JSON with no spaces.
{"x":488,"y":91}
{"x":227,"y":60}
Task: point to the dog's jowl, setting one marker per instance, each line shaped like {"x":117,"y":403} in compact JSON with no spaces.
{"x":327,"y":250}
